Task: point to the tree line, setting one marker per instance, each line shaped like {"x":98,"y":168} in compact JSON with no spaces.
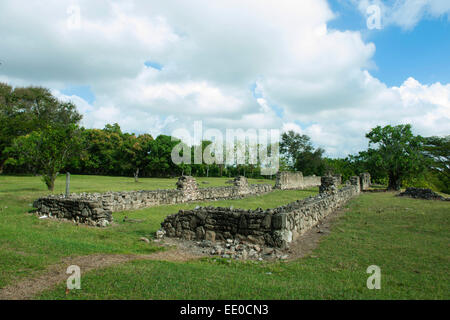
{"x":395,"y":157}
{"x":40,"y":134}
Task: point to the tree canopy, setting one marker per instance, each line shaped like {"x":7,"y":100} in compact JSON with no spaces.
{"x":395,"y":151}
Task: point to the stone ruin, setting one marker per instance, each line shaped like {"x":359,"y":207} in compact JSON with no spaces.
{"x":295,"y":180}
{"x":96,"y":208}
{"x":329,"y":184}
{"x":420,"y":193}
{"x":364,"y":181}
{"x":270,"y":228}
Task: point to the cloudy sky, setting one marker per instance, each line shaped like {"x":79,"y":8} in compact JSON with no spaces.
{"x":323,"y":68}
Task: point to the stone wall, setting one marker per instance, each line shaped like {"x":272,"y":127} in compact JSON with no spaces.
{"x":273,"y":227}
{"x":96,"y":208}
{"x":420,"y":193}
{"x":295,"y":180}
{"x":365,"y":181}
{"x":91,"y":212}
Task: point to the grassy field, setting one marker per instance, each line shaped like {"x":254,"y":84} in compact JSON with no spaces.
{"x":407,"y":238}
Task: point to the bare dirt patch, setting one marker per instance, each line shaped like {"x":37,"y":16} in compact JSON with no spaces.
{"x":55,"y":274}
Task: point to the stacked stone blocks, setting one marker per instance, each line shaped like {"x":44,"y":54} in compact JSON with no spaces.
{"x":96,"y":208}
{"x":276,"y":227}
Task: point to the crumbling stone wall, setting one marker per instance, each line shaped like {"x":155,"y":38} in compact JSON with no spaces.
{"x":96,"y":208}
{"x":364,"y":181}
{"x":91,"y":212}
{"x":328,"y":184}
{"x":273,"y":227}
{"x":295,"y":180}
{"x":420,"y":193}
{"x":338,"y":178}
{"x":311,"y":181}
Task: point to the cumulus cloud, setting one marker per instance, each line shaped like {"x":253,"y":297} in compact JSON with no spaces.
{"x":232,"y":64}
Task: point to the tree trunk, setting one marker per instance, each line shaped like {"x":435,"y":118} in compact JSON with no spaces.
{"x":136,"y":175}
{"x":49,"y":180}
{"x":394,"y":182}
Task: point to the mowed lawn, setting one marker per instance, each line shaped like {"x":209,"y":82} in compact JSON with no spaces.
{"x":29,"y":244}
{"x":407,"y":238}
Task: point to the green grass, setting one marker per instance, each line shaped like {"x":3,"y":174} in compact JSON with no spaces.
{"x":28,"y":244}
{"x":407,"y":238}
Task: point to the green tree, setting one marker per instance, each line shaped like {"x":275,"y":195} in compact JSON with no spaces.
{"x":311,"y":162}
{"x":47,"y":151}
{"x":24,"y":110}
{"x":136,"y":152}
{"x":395,"y":151}
{"x":437,"y":149}
{"x":292,"y":145}
{"x":300,"y":155}
{"x":160,"y":157}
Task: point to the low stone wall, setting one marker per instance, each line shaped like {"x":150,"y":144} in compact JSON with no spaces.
{"x":85,"y":211}
{"x":420,"y":193}
{"x":273,"y":227}
{"x":295,"y":180}
{"x":96,"y":208}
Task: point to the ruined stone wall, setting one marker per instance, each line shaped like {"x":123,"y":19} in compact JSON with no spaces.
{"x":420,"y":193}
{"x":364,"y":181}
{"x":96,"y":208}
{"x":295,"y":180}
{"x":76,"y":210}
{"x":311,"y":181}
{"x":273,"y":227}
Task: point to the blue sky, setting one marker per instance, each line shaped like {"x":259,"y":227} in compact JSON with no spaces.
{"x":422,"y":52}
{"x":83,"y":91}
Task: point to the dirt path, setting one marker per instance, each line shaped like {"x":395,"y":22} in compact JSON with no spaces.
{"x":309,"y":241}
{"x":55,"y":274}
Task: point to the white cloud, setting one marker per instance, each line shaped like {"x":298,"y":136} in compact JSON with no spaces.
{"x":406,"y":13}
{"x":212,"y":53}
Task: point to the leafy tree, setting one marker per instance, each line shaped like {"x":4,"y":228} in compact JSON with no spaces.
{"x":292,"y":145}
{"x":298,"y":152}
{"x":395,"y":151}
{"x":311,"y":162}
{"x":24,"y":110}
{"x":47,"y":151}
{"x":437,"y":149}
{"x":136,"y":152}
{"x":160,"y":157}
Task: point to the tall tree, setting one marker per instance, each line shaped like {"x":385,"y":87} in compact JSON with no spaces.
{"x":160,"y":157}
{"x":292,"y":145}
{"x":47,"y":151}
{"x":437,"y":149}
{"x":136,"y":152}
{"x":397,"y":152}
{"x":311,"y":162}
{"x":24,"y":110}
{"x":299,"y":153}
